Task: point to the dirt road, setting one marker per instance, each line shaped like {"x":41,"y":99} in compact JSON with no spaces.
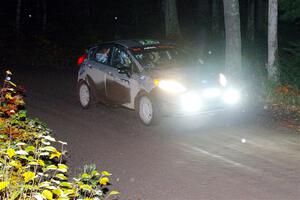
{"x":190,"y":158}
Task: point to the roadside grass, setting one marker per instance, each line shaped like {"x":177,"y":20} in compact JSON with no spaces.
{"x":30,"y":166}
{"x":283,"y":101}
{"x":283,"y":95}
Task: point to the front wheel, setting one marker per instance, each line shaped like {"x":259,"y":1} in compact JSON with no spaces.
{"x":147,"y":111}
{"x":84,"y":95}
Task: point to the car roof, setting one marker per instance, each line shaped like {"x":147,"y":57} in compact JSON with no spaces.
{"x":137,"y":43}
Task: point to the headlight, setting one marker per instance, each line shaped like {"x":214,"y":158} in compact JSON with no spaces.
{"x":231,"y":96}
{"x":223,"y":80}
{"x":170,"y":86}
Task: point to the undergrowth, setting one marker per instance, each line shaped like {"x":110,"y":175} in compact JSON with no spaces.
{"x":30,"y":166}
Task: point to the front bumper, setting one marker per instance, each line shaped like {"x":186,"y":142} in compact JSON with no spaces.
{"x":196,"y":102}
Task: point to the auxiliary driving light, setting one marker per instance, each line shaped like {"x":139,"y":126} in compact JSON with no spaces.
{"x":223,"y":80}
{"x":231,"y":96}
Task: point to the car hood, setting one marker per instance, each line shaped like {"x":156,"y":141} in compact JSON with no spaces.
{"x":189,"y":76}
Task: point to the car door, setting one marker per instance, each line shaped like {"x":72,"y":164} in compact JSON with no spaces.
{"x":118,"y":84}
{"x":98,"y":64}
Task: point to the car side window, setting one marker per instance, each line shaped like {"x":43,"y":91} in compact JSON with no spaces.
{"x":120,"y":59}
{"x":101,"y":55}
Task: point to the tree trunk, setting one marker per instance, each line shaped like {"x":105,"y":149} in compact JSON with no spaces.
{"x":18,"y":16}
{"x":261,"y":16}
{"x":250,"y":20}
{"x":273,"y":72}
{"x":215,"y":17}
{"x":44,"y":15}
{"x":233,"y":58}
{"x":172,"y":29}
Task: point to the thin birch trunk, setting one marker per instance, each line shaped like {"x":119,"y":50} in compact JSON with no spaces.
{"x":172,"y":29}
{"x":273,"y":72}
{"x":233,"y":58}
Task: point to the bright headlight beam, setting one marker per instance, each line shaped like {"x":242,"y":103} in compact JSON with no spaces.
{"x":223,"y":80}
{"x":171,"y":86}
{"x":231,"y":96}
{"x":211,"y":92}
{"x":191,"y":102}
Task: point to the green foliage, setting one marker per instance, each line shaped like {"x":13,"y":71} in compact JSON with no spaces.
{"x":290,"y":65}
{"x":290,"y":10}
{"x":31,"y":167}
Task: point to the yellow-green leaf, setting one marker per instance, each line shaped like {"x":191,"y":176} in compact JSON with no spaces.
{"x":85,"y":176}
{"x":11,"y":152}
{"x":8,"y":96}
{"x":104,"y":181}
{"x":113,"y":192}
{"x":105,"y":173}
{"x":28,"y":176}
{"x":41,"y":163}
{"x":61,"y":177}
{"x":44,"y":184}
{"x":33,"y":163}
{"x":49,"y":148}
{"x":86,"y":187}
{"x":51,"y":167}
{"x":70,"y":191}
{"x":15,"y":164}
{"x":62,"y":168}
{"x":47,"y":194}
{"x":95,"y":173}
{"x":30,"y":149}
{"x":65,"y":184}
{"x":55,"y":154}
{"x":3,"y":185}
{"x":14,"y":195}
{"x":57,"y":192}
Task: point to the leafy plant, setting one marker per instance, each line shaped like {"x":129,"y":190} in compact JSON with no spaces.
{"x":30,"y":166}
{"x":290,"y":10}
{"x":282,"y":95}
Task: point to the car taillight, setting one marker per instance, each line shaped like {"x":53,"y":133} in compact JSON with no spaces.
{"x":81,"y":59}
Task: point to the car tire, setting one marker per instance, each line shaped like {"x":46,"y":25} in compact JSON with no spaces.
{"x":147,"y":110}
{"x":84,"y":95}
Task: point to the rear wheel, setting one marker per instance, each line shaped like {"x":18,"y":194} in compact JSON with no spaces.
{"x":84,"y":95}
{"x":147,"y":110}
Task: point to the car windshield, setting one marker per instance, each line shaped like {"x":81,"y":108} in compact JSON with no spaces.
{"x":161,"y":57}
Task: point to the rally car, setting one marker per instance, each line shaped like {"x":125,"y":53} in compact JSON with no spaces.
{"x":154,"y":78}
